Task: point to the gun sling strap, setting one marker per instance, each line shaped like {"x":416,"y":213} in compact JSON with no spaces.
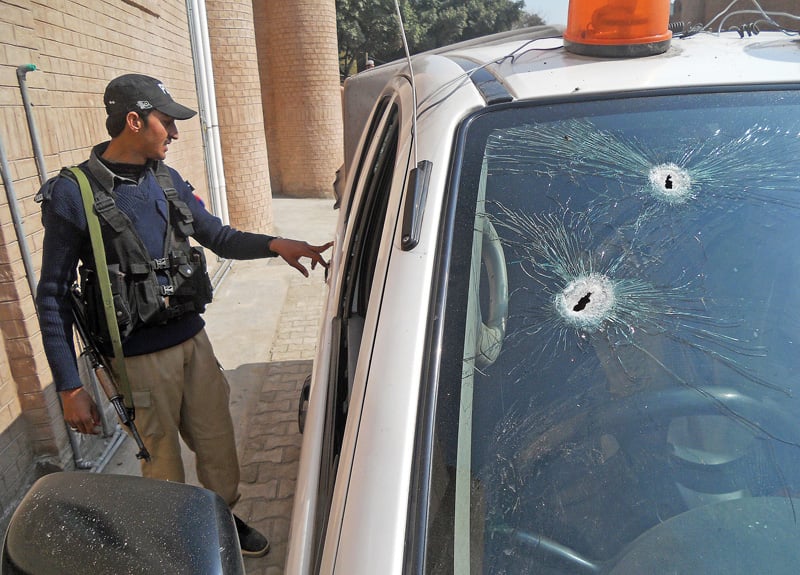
{"x":118,"y":361}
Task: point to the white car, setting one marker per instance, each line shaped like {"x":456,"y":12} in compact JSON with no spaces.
{"x":562,"y":329}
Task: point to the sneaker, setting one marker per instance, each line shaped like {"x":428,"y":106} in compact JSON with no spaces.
{"x":253,"y":543}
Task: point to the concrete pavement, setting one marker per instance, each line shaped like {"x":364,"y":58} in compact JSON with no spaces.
{"x":263,"y":324}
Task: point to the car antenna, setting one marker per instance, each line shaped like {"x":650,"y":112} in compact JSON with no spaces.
{"x":420,"y":176}
{"x":413,"y":84}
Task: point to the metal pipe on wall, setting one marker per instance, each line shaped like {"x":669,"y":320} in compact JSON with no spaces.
{"x":207,"y":100}
{"x":16,"y":218}
{"x":22,"y":72}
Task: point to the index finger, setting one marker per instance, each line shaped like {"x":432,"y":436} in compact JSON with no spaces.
{"x":323,"y":248}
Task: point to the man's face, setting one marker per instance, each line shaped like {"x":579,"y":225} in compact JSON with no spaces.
{"x":157,"y":134}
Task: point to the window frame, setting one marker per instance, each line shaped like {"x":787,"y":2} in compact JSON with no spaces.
{"x":368,"y":215}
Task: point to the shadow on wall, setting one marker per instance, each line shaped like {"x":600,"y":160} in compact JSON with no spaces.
{"x":18,"y":470}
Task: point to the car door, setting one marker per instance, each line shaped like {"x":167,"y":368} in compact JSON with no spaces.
{"x":367,"y":224}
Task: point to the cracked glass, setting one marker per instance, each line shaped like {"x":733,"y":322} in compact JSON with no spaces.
{"x":627,"y":330}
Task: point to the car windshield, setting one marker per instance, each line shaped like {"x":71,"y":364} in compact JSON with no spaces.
{"x":620,"y":380}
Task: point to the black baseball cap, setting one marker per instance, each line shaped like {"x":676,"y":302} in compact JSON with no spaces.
{"x":135,"y":92}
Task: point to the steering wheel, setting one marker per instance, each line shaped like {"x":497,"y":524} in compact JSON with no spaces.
{"x":633,"y":420}
{"x":546,"y":547}
{"x":664,"y":405}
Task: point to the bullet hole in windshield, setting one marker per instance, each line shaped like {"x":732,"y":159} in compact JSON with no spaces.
{"x":670,"y":183}
{"x":576,"y":305}
{"x":581,"y":305}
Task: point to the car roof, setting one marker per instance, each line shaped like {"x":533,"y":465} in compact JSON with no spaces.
{"x":543,"y":68}
{"x":531,"y":64}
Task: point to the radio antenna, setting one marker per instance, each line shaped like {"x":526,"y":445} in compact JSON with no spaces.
{"x":413,"y":84}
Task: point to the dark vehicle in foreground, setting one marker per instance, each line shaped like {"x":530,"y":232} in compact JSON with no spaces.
{"x":119,"y":524}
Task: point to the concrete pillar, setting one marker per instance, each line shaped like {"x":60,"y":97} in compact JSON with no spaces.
{"x":298,"y":60}
{"x":238,"y":88}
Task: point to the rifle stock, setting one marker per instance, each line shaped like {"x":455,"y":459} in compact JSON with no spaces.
{"x":104,"y":377}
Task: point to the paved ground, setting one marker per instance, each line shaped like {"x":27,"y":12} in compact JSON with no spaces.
{"x":263,"y":324}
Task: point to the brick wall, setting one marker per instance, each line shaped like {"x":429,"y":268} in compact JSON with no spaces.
{"x":77,"y":48}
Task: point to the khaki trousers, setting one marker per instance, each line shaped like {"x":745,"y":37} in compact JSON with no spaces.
{"x":182,"y":392}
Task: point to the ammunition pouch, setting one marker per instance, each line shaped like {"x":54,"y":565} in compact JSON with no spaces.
{"x":141,"y":300}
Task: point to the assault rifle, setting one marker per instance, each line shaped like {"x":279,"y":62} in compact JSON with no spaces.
{"x":103,"y":375}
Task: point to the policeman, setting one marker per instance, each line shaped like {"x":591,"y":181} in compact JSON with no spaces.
{"x":147,"y":212}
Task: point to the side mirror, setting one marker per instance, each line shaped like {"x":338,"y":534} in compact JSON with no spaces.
{"x":75,"y":522}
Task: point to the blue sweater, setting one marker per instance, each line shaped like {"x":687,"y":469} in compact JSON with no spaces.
{"x":66,"y":242}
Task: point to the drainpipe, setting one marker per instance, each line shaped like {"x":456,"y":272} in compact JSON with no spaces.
{"x":22,"y":71}
{"x":207,"y":100}
{"x":12,"y":198}
{"x":17,"y":219}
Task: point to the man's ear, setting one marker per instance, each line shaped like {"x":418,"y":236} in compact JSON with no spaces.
{"x":134,"y":121}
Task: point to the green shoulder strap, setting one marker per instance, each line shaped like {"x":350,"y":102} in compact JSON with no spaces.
{"x":105,"y":285}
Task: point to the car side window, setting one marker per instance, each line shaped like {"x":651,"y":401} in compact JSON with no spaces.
{"x":368,"y":205}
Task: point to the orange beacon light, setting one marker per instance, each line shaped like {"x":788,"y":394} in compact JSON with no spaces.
{"x":618,"y":28}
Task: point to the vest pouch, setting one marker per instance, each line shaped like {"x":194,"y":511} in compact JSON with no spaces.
{"x":93,"y":297}
{"x":204,"y":292}
{"x":192,"y":286}
{"x":148,"y":302}
{"x":119,"y":294}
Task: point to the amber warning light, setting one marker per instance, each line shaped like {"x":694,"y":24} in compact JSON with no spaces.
{"x":618,"y":28}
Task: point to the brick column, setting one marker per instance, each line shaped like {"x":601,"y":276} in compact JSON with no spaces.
{"x":298,"y":60}
{"x":236,"y":80}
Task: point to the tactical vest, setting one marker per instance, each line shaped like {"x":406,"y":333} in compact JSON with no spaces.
{"x":139,"y":298}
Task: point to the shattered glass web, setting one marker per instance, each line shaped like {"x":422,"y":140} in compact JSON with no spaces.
{"x":667,"y":193}
{"x":615,"y":304}
{"x":627,"y":265}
